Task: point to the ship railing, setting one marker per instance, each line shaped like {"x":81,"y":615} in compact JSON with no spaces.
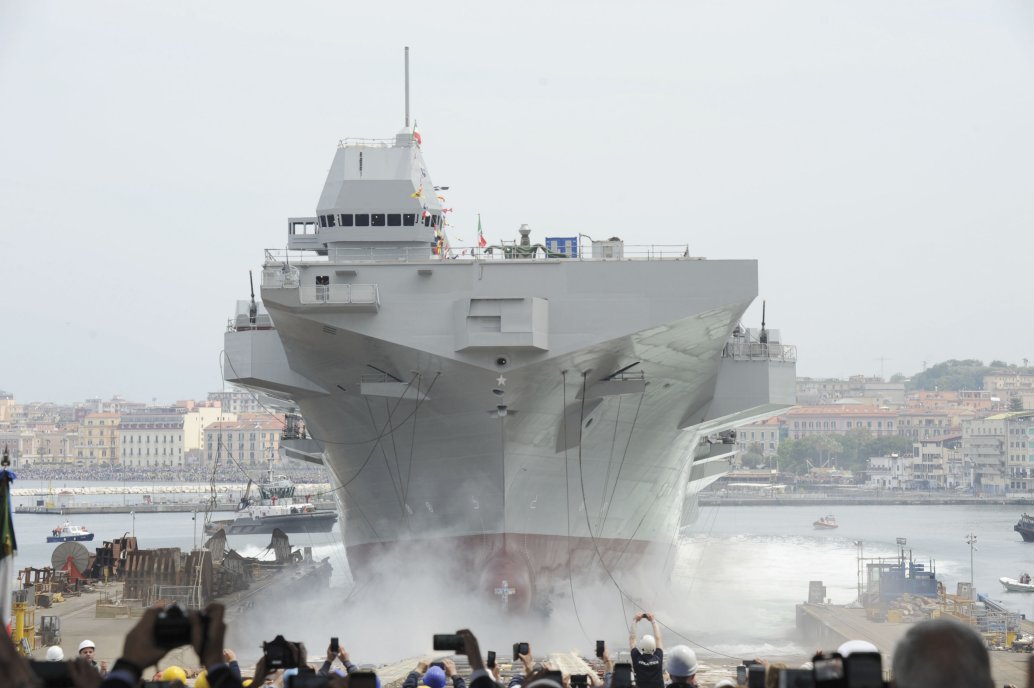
{"x":369,"y":143}
{"x":740,"y":350}
{"x":360,"y":294}
{"x":281,"y":271}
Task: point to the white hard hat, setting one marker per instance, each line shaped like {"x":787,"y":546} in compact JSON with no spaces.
{"x":647,"y":645}
{"x":852,"y":646}
{"x":85,"y":644}
{"x":682,"y":661}
{"x":55,"y":654}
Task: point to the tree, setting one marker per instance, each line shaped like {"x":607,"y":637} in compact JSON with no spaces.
{"x":898,"y":377}
{"x":1015,"y":403}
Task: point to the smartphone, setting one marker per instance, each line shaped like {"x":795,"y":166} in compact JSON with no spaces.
{"x":741,"y":675}
{"x":554,"y":675}
{"x":622,"y":677}
{"x":756,"y":676}
{"x":334,"y":647}
{"x":864,"y":670}
{"x":519,"y":649}
{"x":362,"y":679}
{"x":579,"y":680}
{"x":491,"y":659}
{"x":450,"y":642}
{"x":440,"y":665}
{"x":829,"y":672}
{"x":600,"y":647}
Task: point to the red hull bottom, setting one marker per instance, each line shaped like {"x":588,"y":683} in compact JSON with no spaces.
{"x":514,"y":569}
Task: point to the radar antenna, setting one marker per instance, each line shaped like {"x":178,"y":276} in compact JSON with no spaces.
{"x":407,"y":87}
{"x":763,"y":337}
{"x":253,"y":308}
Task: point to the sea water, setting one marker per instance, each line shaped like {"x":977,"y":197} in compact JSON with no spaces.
{"x":738,"y":571}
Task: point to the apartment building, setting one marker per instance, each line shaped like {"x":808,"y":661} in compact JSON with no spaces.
{"x":250,"y":442}
{"x":839,"y":419}
{"x":166,"y":436}
{"x":920,"y":423}
{"x":237,"y":401}
{"x":760,"y":438}
{"x":984,"y":447}
{"x":98,"y":438}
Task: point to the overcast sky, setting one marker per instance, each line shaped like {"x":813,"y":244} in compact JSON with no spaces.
{"x":877,"y":158}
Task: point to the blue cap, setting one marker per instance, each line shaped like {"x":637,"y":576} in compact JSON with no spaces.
{"x":435,"y":677}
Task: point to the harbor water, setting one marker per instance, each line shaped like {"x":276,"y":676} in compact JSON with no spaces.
{"x":738,"y":573}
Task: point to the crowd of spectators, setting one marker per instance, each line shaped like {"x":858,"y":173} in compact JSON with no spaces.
{"x":226,"y":472}
{"x":939,"y":653}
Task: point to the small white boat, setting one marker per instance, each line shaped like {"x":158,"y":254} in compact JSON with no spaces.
{"x":827,"y":522}
{"x":1014,"y":585}
{"x":66,"y":532}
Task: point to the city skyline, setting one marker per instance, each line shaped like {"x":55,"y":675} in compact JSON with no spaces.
{"x":873,"y":158}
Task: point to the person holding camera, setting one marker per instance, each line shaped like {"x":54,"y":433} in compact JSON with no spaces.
{"x":647,"y":654}
{"x":160,"y":631}
{"x":334,"y":654}
{"x":434,"y":675}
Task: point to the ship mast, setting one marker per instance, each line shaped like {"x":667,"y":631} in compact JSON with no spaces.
{"x":407,"y":87}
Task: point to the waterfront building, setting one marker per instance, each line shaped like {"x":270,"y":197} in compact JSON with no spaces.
{"x":893,"y":472}
{"x":55,"y":443}
{"x":166,"y":436}
{"x":923,"y":423}
{"x":1019,"y":446}
{"x":940,"y":463}
{"x":248,"y":442}
{"x":761,"y":438}
{"x":98,"y":439}
{"x":984,"y":446}
{"x":839,"y":419}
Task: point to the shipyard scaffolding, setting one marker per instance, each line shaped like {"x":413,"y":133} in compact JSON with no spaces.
{"x":901,"y":589}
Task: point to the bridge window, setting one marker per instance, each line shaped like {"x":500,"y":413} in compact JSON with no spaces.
{"x":434,"y":220}
{"x":394,"y":220}
{"x":427,"y":221}
{"x":323,"y":220}
{"x":409,"y":219}
{"x":330,"y":221}
{"x":362,"y":220}
{"x":346,"y":220}
{"x":377,"y":219}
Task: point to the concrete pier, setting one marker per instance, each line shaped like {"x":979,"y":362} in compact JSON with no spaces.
{"x":827,"y":625}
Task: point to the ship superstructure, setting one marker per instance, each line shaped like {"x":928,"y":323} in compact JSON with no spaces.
{"x":543,"y":407}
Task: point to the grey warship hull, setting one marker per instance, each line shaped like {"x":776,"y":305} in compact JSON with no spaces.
{"x":529,"y":409}
{"x":521,"y":442}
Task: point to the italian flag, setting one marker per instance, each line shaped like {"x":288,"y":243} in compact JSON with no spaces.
{"x":481,"y":237}
{"x":8,"y":545}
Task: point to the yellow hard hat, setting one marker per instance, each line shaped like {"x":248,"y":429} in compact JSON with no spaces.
{"x":175,"y":673}
{"x":202,"y":680}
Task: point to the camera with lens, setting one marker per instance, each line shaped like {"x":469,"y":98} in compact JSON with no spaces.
{"x":279,"y":654}
{"x":450,"y":642}
{"x":172,"y":628}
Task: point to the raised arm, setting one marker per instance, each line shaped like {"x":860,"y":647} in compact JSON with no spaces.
{"x":631,"y":631}
{"x":656,"y":630}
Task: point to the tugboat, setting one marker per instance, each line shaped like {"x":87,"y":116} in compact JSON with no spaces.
{"x":66,"y":532}
{"x":828,"y":522}
{"x":1025,"y":527}
{"x":276,"y":508}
